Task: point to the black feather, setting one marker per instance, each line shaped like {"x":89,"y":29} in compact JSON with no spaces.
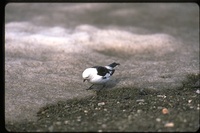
{"x":102,"y":71}
{"x":114,"y":64}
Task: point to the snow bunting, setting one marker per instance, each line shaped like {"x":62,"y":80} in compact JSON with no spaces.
{"x":99,"y":74}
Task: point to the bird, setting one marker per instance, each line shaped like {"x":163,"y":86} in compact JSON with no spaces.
{"x":99,"y":75}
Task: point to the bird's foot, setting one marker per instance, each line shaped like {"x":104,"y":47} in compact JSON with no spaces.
{"x":89,"y":88}
{"x":102,"y":87}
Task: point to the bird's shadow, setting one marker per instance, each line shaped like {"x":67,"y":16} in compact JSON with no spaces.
{"x":110,"y":84}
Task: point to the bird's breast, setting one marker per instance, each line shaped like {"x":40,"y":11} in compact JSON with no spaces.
{"x":99,"y":80}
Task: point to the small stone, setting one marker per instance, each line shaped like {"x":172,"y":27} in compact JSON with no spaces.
{"x":162,"y":96}
{"x":118,"y":102}
{"x":158,"y":119}
{"x":85,"y":111}
{"x":191,"y":107}
{"x":129,"y":117}
{"x":101,"y":104}
{"x":43,"y":112}
{"x":139,"y":111}
{"x":198,"y":91}
{"x":50,"y":128}
{"x":79,"y":118}
{"x":165,"y":111}
{"x":105,"y":109}
{"x":159,"y":107}
{"x":58,"y":123}
{"x":100,"y":130}
{"x":189,"y":101}
{"x":104,"y":125}
{"x":66,"y":106}
{"x":169,"y":124}
{"x":140,"y":100}
{"x":66,"y":122}
{"x":97,"y":108}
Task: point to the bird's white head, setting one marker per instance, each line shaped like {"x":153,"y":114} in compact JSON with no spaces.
{"x":86,"y":74}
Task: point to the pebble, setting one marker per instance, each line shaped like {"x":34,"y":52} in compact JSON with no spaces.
{"x":129,"y":117}
{"x":191,"y":107}
{"x":66,"y":122}
{"x":66,"y":106}
{"x":105,"y":109}
{"x":101,"y":104}
{"x":139,"y":111}
{"x":163,"y":96}
{"x":104,"y":125}
{"x":158,"y":119}
{"x":99,"y":130}
{"x":169,"y":124}
{"x":58,"y":123}
{"x":189,"y":101}
{"x":140,"y":100}
{"x":43,"y":112}
{"x":50,"y":128}
{"x":159,"y":107}
{"x":97,"y":108}
{"x":198,"y":91}
{"x":85,"y":111}
{"x":165,"y":111}
{"x":79,"y":118}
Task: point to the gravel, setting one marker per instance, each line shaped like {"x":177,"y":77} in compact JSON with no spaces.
{"x":108,"y":110}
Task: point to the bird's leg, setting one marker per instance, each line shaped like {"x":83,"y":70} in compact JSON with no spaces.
{"x":90,"y":87}
{"x":103,"y":86}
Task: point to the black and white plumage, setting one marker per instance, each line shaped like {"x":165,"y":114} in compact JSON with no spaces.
{"x":99,"y":74}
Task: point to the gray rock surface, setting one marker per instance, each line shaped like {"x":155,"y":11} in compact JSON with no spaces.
{"x":47,"y":47}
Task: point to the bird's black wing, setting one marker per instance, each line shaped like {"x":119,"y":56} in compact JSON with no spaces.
{"x":102,"y":71}
{"x":114,"y":64}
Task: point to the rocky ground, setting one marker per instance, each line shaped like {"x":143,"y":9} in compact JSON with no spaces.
{"x":121,"y":109}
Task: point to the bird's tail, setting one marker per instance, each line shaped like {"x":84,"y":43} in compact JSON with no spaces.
{"x":114,"y":64}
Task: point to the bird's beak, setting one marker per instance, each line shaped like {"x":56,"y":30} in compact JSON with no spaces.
{"x":84,"y":80}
